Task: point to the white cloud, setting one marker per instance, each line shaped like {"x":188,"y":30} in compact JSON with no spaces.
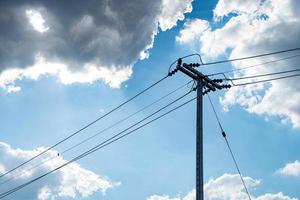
{"x":172,"y":11}
{"x":90,"y":73}
{"x":70,"y":181}
{"x":227,"y":187}
{"x":192,"y":30}
{"x":278,"y":196}
{"x":37,"y":21}
{"x":44,"y":193}
{"x":225,"y":7}
{"x":257,"y":27}
{"x":291,"y":169}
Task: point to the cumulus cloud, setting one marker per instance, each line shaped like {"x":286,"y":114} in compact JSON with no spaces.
{"x":278,"y":196}
{"x":70,"y":181}
{"x":227,"y":187}
{"x":101,"y":38}
{"x":172,"y":11}
{"x":255,"y":27}
{"x":192,"y":30}
{"x":291,"y":169}
{"x":226,"y":7}
{"x":89,"y":73}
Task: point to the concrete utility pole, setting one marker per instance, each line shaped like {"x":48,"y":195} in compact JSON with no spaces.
{"x":199,"y":142}
{"x":204,"y":85}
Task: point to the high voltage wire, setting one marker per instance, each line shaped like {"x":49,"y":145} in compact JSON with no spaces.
{"x":229,"y":148}
{"x":265,"y":80}
{"x":107,"y":142}
{"x":262,"y":75}
{"x":250,"y":57}
{"x":238,"y":59}
{"x":97,"y":147}
{"x":85,"y":127}
{"x":98,"y":133}
{"x":255,"y":65}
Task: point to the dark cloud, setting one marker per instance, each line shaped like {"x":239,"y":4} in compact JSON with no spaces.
{"x":102,"y":32}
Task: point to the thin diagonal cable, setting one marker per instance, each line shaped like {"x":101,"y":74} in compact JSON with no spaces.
{"x":229,"y":148}
{"x":83,"y":128}
{"x":250,"y":57}
{"x":262,"y":75}
{"x":96,"y":148}
{"x":115,"y":137}
{"x":265,"y":80}
{"x":98,"y":133}
{"x":126,"y":118}
{"x":252,"y":66}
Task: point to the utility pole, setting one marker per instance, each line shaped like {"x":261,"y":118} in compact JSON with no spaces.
{"x":199,"y":142}
{"x":204,"y":85}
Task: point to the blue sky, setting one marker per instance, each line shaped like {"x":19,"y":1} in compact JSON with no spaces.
{"x":158,"y":161}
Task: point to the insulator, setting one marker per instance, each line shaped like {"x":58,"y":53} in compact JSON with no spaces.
{"x":217,"y":80}
{"x":226,"y":86}
{"x":173,"y":71}
{"x":179,"y":62}
{"x":197,"y":65}
{"x":223,"y":133}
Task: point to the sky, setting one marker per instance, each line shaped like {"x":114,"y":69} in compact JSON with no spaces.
{"x":65,"y":63}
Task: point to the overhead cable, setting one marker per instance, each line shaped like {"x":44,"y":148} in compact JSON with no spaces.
{"x":229,"y":148}
{"x":262,"y":75}
{"x":265,"y":80}
{"x":96,"y":134}
{"x":83,"y":128}
{"x":107,"y":142}
{"x":250,"y":57}
{"x":255,"y":65}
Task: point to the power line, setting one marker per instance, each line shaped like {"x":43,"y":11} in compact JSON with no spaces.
{"x":250,"y":57}
{"x":98,"y":133}
{"x":128,"y":117}
{"x":265,"y":80}
{"x":85,"y":127}
{"x":91,"y":123}
{"x":105,"y":143}
{"x":262,"y":75}
{"x":252,"y":66}
{"x":229,"y":148}
{"x":238,"y":59}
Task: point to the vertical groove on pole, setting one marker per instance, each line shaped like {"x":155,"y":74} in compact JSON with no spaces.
{"x":199,"y":142}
